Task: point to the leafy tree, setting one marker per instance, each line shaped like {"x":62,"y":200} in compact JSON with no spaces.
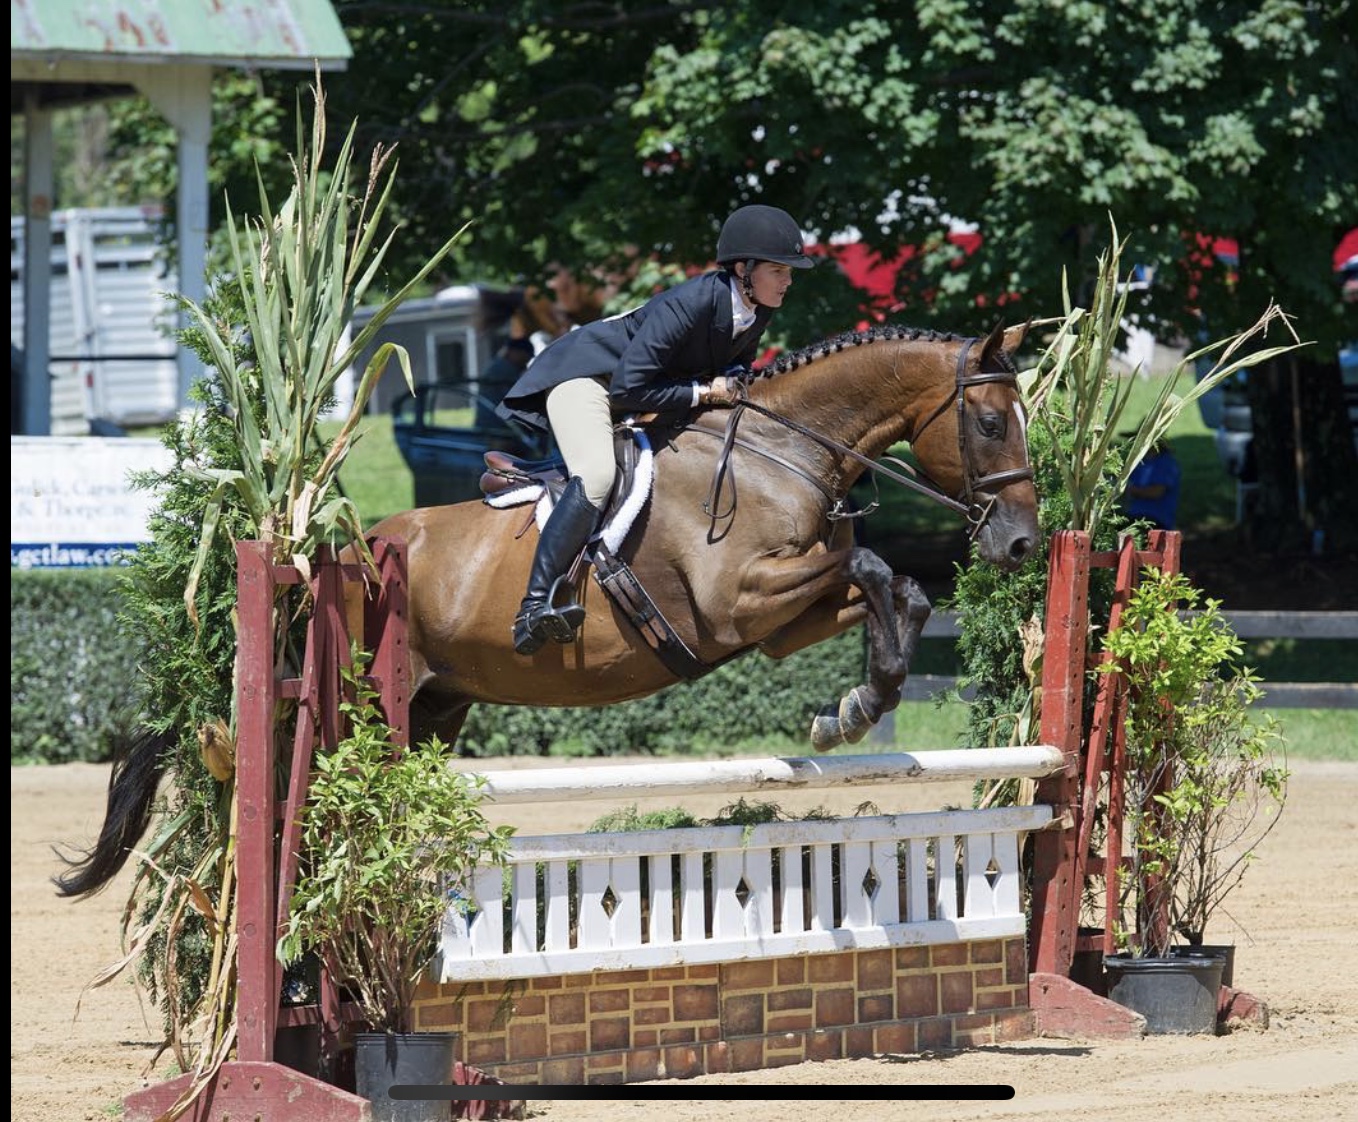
{"x":248,"y":150}
{"x":608,"y":136}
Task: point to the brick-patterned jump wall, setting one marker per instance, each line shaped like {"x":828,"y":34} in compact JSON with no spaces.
{"x":682,"y":1021}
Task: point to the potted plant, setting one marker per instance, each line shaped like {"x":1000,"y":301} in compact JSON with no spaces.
{"x":389,"y":837}
{"x":1203,"y":787}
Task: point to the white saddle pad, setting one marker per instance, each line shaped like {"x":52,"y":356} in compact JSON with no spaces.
{"x":615,"y":529}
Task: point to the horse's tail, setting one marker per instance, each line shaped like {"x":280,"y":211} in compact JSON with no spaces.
{"x":137,"y":768}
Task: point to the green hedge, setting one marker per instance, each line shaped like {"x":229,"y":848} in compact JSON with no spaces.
{"x":751,"y":699}
{"x":72,"y":667}
{"x":73,"y":686}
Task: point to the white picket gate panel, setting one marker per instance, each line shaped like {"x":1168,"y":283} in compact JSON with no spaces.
{"x":574,"y":903}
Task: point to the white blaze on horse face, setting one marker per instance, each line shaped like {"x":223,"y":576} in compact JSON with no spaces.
{"x":1023,"y":425}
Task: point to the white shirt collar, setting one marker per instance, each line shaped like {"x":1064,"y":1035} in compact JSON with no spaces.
{"x":742,"y":317}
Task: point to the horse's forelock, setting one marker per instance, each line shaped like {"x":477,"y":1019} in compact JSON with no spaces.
{"x":1005,"y":361}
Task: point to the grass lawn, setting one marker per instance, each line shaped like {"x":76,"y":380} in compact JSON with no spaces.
{"x":374,"y":475}
{"x":1310,"y":734}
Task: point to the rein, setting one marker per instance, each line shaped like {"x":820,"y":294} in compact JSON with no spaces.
{"x":974,"y":512}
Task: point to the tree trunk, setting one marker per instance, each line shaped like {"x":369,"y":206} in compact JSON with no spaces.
{"x":1304,"y":457}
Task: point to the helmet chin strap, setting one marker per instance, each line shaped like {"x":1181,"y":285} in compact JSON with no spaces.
{"x":747,"y":283}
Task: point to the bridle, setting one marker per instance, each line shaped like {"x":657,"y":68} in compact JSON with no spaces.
{"x":971,"y":484}
{"x":976,"y":512}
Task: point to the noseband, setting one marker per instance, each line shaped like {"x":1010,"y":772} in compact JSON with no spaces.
{"x":975,"y":512}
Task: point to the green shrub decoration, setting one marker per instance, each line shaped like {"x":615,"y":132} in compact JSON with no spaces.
{"x":1205,"y":779}
{"x":72,"y":666}
{"x":389,"y":837}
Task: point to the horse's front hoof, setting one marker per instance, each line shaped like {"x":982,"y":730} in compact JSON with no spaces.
{"x":827,"y":731}
{"x":854,"y":721}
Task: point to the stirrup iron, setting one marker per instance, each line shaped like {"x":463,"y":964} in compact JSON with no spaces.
{"x":557,"y":624}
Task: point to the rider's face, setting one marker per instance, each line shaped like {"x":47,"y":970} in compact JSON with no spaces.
{"x":771,"y":282}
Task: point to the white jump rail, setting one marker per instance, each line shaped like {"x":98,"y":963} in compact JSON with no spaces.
{"x":781,"y":773}
{"x":575,"y":903}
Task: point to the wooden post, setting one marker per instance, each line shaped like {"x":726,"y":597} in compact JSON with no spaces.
{"x":385,"y":617}
{"x":253,"y":1085}
{"x":257,"y":698}
{"x":1165,"y":545}
{"x":1056,"y":890}
{"x":1061,"y":859}
{"x":1107,"y":754}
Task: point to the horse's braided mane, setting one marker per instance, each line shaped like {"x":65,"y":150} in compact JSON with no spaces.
{"x":877,"y":334}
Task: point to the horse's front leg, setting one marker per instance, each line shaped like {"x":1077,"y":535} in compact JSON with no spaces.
{"x":852,"y":586}
{"x":893,"y":638}
{"x":912,"y":613}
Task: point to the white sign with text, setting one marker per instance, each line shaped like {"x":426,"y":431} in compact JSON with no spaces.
{"x":71,"y":502}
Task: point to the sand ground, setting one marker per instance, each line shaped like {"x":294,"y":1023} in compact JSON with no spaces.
{"x":1295,"y":918}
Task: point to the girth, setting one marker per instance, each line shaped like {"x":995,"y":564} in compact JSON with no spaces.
{"x":617,"y":579}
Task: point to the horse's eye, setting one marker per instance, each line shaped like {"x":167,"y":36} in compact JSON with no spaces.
{"x":991,"y":425}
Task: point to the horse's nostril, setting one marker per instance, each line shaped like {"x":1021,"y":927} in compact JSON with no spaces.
{"x":1021,"y":548}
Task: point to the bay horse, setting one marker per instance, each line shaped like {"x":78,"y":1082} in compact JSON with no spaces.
{"x":767,"y":562}
{"x":745,"y":543}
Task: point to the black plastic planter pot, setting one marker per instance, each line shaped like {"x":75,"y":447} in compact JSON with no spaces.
{"x":382,"y":1060}
{"x":299,"y":1047}
{"x":1223,"y":951}
{"x":1175,"y":994}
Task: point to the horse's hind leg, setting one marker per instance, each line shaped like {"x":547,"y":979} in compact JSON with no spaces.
{"x":432,"y":715}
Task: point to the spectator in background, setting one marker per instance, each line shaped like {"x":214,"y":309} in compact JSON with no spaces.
{"x":1153,"y":487}
{"x":501,"y":372}
{"x":534,"y":320}
{"x":579,"y":298}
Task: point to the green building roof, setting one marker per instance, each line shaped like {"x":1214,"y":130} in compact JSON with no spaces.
{"x":292,"y":34}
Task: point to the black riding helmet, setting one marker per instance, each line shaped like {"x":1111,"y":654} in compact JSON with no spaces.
{"x":762,"y":233}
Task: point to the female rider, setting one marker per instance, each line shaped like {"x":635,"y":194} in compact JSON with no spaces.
{"x":658,"y":358}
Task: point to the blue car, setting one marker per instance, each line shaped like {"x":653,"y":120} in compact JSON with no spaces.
{"x":444,"y":430}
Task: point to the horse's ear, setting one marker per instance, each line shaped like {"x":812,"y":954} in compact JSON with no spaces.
{"x":994,"y":343}
{"x":1008,"y":340}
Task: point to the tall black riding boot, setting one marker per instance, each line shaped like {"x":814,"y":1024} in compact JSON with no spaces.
{"x":567,"y":530}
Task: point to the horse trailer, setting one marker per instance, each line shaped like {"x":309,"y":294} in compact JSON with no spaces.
{"x":112,"y":319}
